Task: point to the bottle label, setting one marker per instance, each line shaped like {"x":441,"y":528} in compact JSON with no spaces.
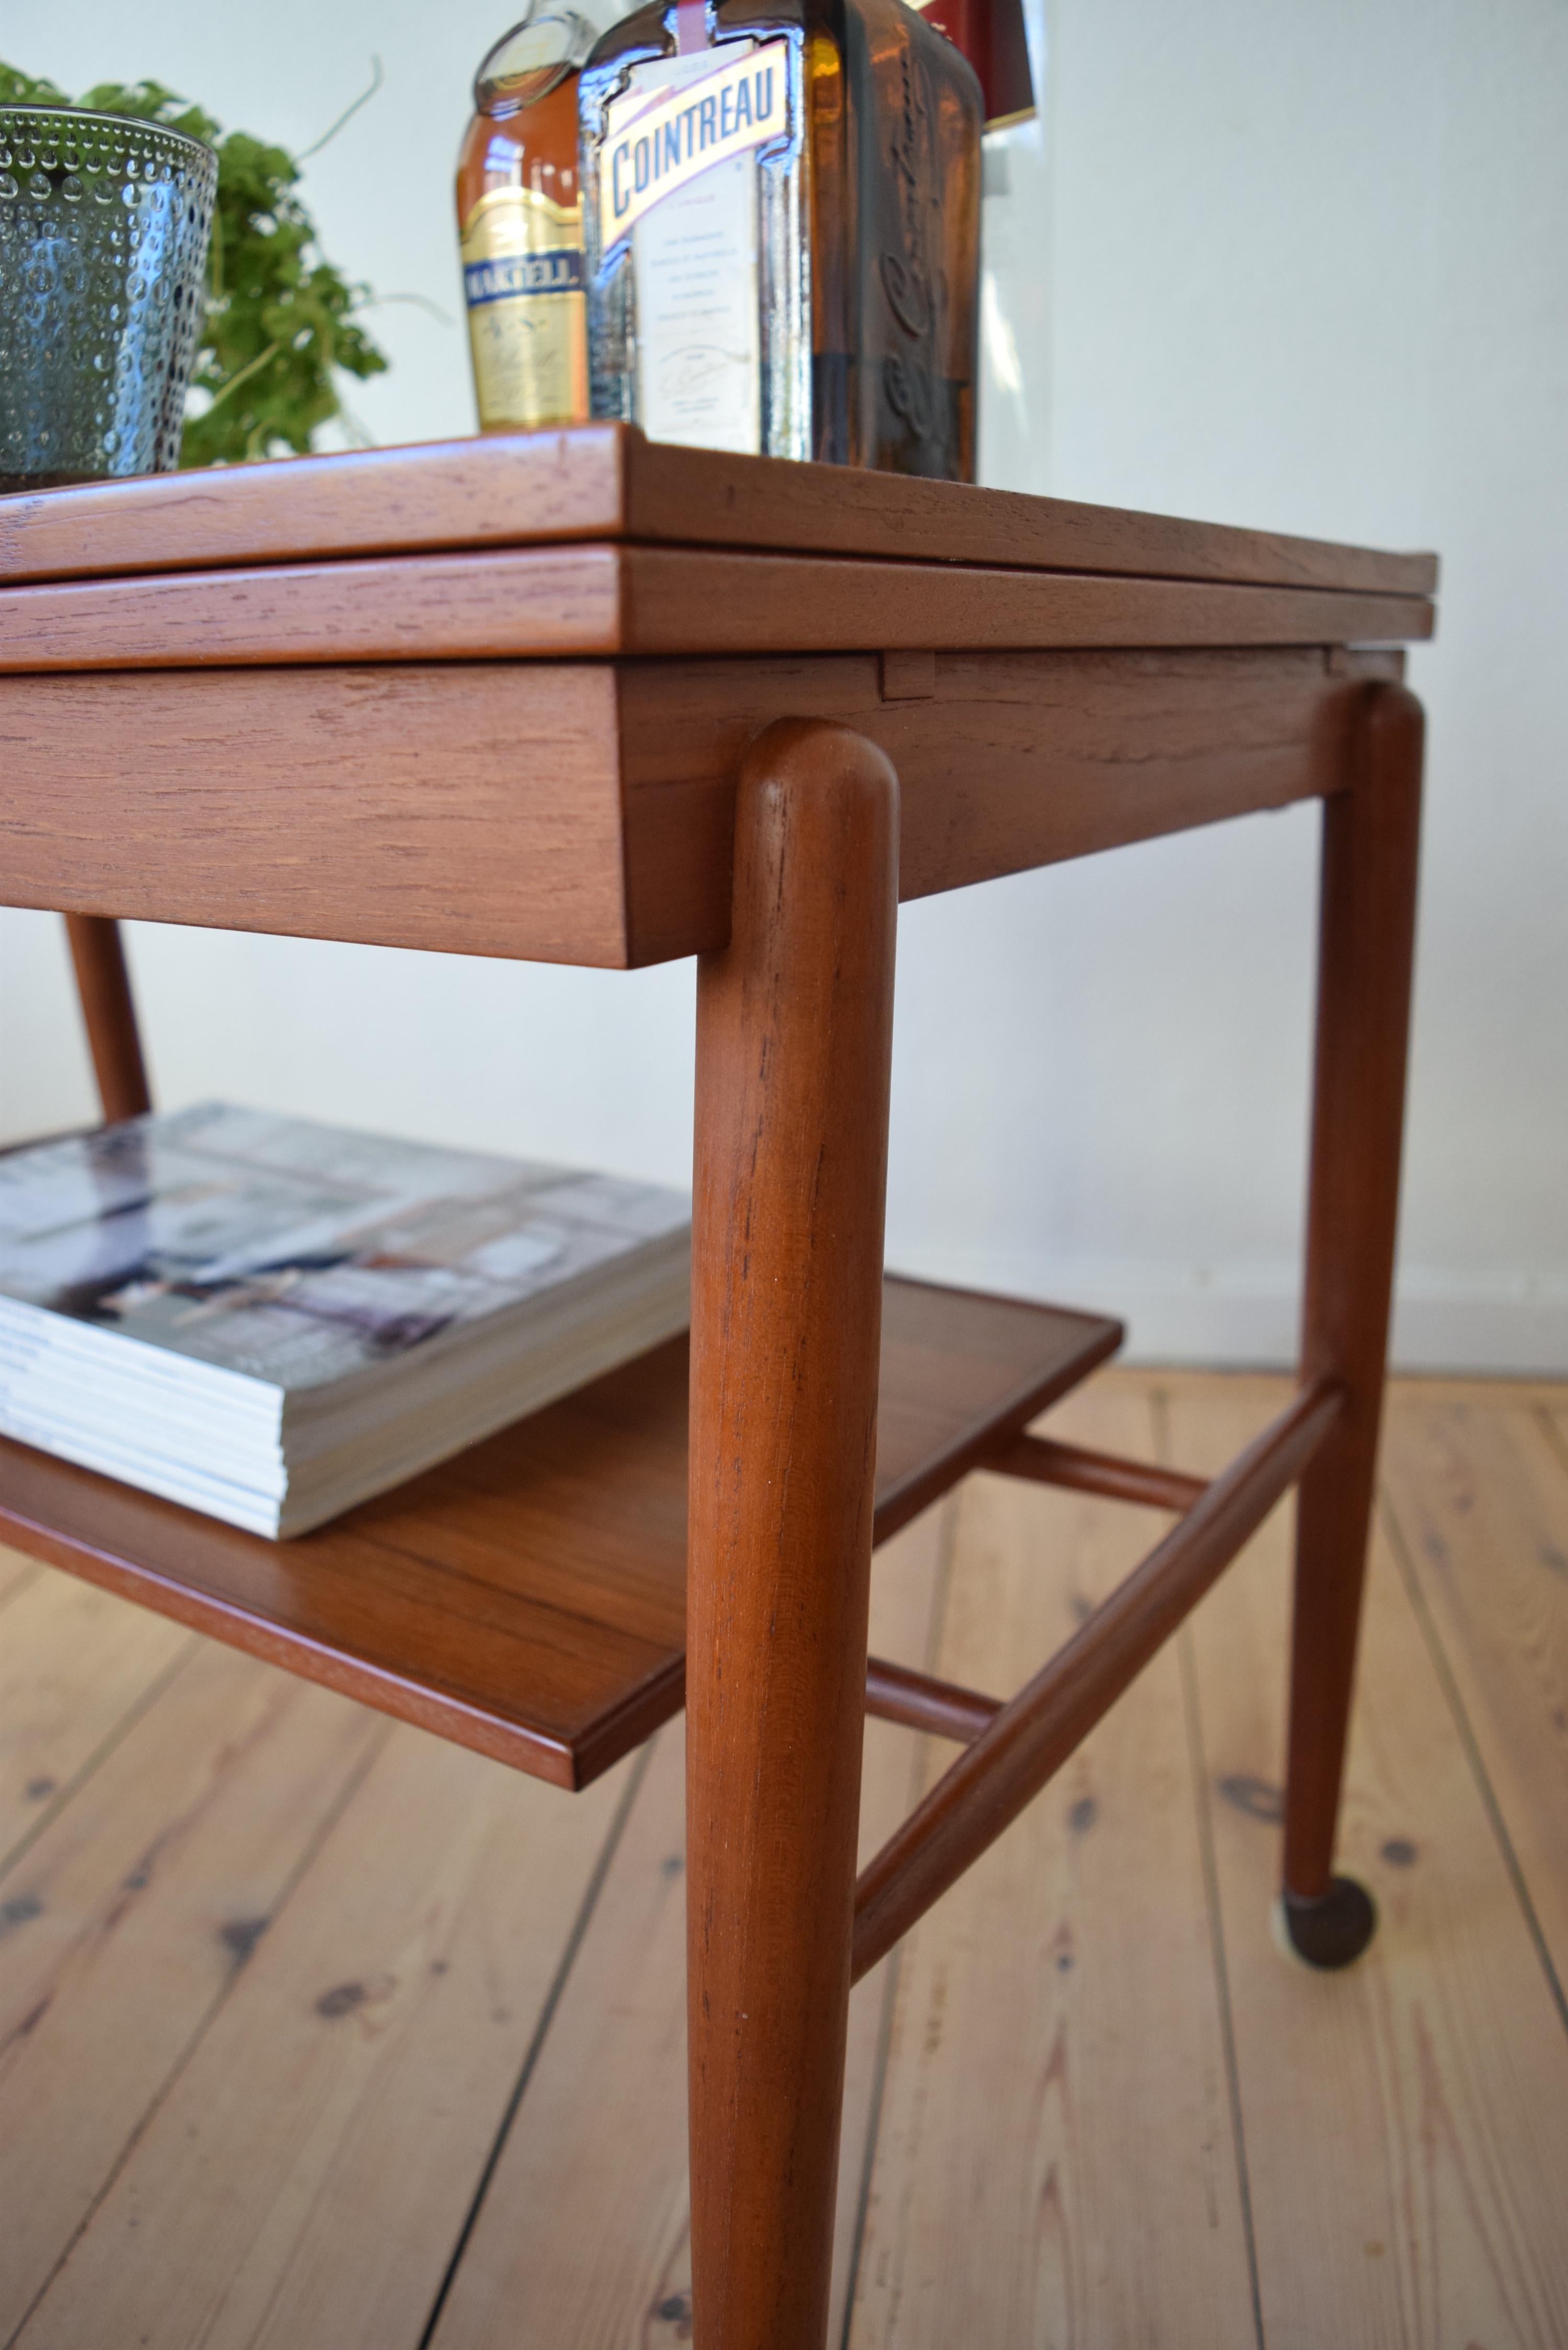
{"x":658,"y":139}
{"x":678,"y":173}
{"x":527,"y":312}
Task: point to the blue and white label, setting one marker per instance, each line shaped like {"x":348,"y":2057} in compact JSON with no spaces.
{"x":505,"y":276}
{"x":657,"y":141}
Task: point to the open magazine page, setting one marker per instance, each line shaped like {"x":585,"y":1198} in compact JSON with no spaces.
{"x":294,"y":1253}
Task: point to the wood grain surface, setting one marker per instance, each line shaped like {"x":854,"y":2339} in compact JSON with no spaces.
{"x":396,"y":805}
{"x":1018,"y":1753}
{"x":528,"y":1598}
{"x":1477,"y":1487}
{"x":1016,"y":760}
{"x":605,"y":481}
{"x":582,"y":2239}
{"x":476,"y":492}
{"x":429,"y":1916}
{"x":1056,"y":2163}
{"x":924,"y":1701}
{"x":1407,"y":2123}
{"x":15,"y":1574}
{"x":1081,"y":1469}
{"x":543,"y":603}
{"x":1397,"y":2119}
{"x":1367,"y":944}
{"x":74,"y":1662}
{"x":794,"y":1045}
{"x":152,"y":1884}
{"x":109,"y":1015}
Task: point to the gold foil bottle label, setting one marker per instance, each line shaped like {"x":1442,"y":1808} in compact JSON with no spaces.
{"x":527,"y":317}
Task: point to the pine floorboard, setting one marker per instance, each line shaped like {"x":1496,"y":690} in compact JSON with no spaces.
{"x":582,"y":2239}
{"x":316,"y":2033}
{"x":1475,"y":1486}
{"x":1019,"y":2193}
{"x":74,"y":1666}
{"x":128,"y":1923}
{"x":1407,"y":2123}
{"x":16,"y":1572}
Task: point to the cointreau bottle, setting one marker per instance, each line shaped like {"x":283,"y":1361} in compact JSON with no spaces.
{"x":781,"y":231}
{"x":520,"y":221}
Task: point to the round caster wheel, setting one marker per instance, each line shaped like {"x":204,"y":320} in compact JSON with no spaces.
{"x":1329,"y":1930}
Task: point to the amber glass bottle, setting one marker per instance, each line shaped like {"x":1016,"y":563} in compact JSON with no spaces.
{"x":781,"y":231}
{"x":520,"y":223}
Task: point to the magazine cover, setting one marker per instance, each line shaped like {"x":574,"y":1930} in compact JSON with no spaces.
{"x":294,"y":1253}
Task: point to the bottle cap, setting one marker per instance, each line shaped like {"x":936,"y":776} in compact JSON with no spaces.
{"x":527,"y":64}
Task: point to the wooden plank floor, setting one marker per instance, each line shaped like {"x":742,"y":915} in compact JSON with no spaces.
{"x":317,"y":2034}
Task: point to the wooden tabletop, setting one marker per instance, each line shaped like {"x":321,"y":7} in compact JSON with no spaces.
{"x":599,"y":543}
{"x":488,"y":696}
{"x":605,"y":482}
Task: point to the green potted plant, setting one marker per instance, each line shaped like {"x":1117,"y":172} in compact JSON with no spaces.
{"x":253,"y":315}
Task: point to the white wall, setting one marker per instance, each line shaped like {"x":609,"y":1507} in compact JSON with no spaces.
{"x":1305,"y":268}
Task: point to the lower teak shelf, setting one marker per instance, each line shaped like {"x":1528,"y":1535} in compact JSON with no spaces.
{"x":528,"y":1597}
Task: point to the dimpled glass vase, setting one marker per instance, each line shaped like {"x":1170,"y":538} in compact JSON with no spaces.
{"x":103,"y":247}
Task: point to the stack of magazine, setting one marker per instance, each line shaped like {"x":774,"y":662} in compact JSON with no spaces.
{"x":271,"y":1320}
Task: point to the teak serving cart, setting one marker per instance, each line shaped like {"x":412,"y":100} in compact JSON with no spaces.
{"x":575,"y":698}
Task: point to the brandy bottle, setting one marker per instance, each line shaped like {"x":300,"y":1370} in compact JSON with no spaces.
{"x":781,"y":231}
{"x":520,"y":226}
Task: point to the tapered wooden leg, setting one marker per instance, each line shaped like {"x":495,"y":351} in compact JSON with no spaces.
{"x":103,"y":985}
{"x":794,"y":1030}
{"x":1367,"y":946}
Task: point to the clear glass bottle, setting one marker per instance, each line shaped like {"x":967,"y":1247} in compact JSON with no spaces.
{"x":519,"y":215}
{"x":781,"y":231}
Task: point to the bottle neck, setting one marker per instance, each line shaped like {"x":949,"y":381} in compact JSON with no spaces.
{"x":690,"y":28}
